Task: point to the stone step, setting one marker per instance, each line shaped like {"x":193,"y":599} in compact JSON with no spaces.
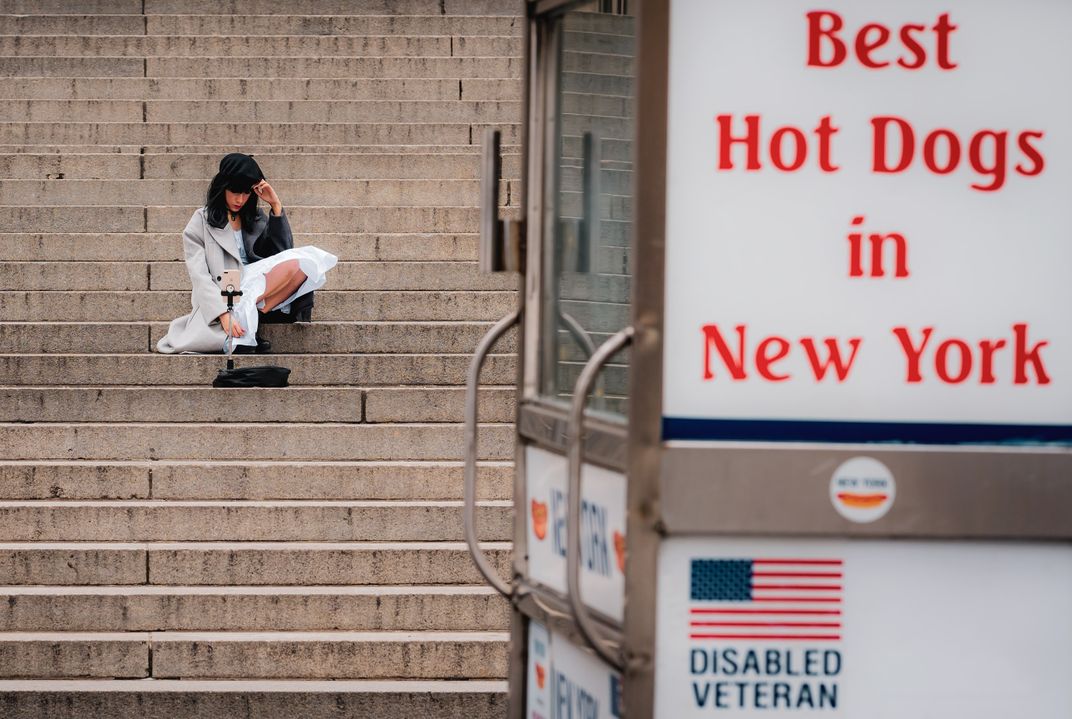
{"x":317,"y":563}
{"x":297,"y":67}
{"x":185,"y":404}
{"x":303,"y":655}
{"x":85,"y":7}
{"x":63,"y":110}
{"x":252,"y":608}
{"x":257,"y":404}
{"x":132,"y":218}
{"x":74,"y":654}
{"x":138,"y":45}
{"x":68,"y":166}
{"x":245,"y":563}
{"x":307,"y":165}
{"x":349,"y":275}
{"x":293,"y":441}
{"x":257,"y":150}
{"x":275,"y":699}
{"x":327,"y":193}
{"x":246,"y":520}
{"x":254,"y":7}
{"x":167,"y":246}
{"x":306,"y":369}
{"x":284,"y":24}
{"x":446,"y":404}
{"x":454,"y":110}
{"x":81,"y":25}
{"x":333,"y":7}
{"x":74,"y":275}
{"x":359,"y":306}
{"x":249,"y":25}
{"x":258,"y":111}
{"x":28,"y":479}
{"x":369,"y":219}
{"x":155,"y":133}
{"x":134,"y":275}
{"x":389,"y":479}
{"x":72,"y":67}
{"x":82,"y":479}
{"x":73,"y":564}
{"x":329,"y":655}
{"x":59,"y":337}
{"x":260,"y":88}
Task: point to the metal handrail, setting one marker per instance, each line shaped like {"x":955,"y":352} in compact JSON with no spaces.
{"x":574,"y":328}
{"x":584,"y":340}
{"x":574,"y":454}
{"x":472,"y":384}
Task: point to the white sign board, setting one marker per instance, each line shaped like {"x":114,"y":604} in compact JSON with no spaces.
{"x":567,"y":683}
{"x":863,"y":629}
{"x":602,"y":529}
{"x":869,"y":231}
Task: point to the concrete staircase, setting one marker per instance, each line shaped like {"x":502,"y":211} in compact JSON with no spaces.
{"x":167,"y":549}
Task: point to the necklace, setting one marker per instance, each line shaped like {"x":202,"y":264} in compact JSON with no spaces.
{"x":231,"y":216}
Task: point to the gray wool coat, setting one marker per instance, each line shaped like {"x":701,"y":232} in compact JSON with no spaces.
{"x":209,"y":251}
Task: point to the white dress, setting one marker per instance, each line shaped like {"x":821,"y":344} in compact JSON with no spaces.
{"x":313,"y":261}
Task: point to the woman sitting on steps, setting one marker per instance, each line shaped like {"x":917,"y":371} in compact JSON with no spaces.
{"x":228,"y":233}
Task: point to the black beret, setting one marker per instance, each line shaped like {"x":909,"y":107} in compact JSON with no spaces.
{"x":241,"y":172}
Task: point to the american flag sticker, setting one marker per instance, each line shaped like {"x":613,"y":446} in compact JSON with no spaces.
{"x":766,"y":599}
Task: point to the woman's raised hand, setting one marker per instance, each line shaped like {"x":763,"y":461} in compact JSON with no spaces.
{"x":266,"y":193}
{"x":230,"y":324}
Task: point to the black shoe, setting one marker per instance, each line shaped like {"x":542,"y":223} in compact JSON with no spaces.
{"x":263,"y":347}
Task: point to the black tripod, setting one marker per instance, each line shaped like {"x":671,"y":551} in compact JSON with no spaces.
{"x":230,"y":293}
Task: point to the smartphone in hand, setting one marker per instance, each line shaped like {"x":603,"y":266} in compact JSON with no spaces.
{"x":232,"y":280}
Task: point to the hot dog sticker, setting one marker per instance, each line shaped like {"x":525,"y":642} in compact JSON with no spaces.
{"x":862,"y":489}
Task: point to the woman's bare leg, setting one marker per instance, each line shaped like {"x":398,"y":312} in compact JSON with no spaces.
{"x":281,"y":282}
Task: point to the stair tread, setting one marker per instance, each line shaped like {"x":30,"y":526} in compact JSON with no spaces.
{"x":245,"y":462}
{"x":252,"y":589}
{"x":341,"y":636}
{"x":262,"y":545}
{"x":176,"y":503}
{"x":273,"y":686}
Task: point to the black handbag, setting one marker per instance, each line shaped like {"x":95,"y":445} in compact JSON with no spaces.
{"x":262,"y":376}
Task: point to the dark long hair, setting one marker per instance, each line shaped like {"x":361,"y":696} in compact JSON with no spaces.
{"x":216,"y":205}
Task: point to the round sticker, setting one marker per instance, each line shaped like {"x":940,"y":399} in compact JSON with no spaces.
{"x":862,"y":489}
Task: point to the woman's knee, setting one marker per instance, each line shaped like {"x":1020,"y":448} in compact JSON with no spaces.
{"x":283,"y":274}
{"x":286,"y":270}
{"x":294,"y":272}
